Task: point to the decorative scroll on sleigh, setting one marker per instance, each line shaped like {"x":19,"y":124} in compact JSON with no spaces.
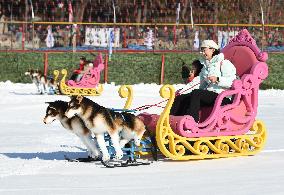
{"x":223,"y":131}
{"x":88,"y":85}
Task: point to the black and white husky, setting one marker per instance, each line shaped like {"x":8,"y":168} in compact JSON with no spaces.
{"x":42,"y":83}
{"x":56,"y":110}
{"x":101,"y":120}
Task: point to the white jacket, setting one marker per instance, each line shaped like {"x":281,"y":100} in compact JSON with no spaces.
{"x":218,"y":67}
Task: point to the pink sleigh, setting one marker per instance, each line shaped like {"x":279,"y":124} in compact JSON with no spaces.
{"x":238,"y":117}
{"x":92,"y":77}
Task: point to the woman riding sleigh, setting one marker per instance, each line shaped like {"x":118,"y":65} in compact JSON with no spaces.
{"x":216,"y":76}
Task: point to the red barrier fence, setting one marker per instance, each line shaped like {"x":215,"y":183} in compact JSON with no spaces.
{"x":162,"y":69}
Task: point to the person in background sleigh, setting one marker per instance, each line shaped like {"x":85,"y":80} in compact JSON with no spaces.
{"x":84,"y":66}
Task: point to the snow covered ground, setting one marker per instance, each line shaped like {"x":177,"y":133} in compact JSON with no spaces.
{"x":32,"y":153}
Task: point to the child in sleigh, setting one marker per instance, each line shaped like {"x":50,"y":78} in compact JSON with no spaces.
{"x":191,"y":76}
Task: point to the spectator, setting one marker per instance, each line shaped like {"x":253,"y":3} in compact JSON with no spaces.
{"x":84,"y":66}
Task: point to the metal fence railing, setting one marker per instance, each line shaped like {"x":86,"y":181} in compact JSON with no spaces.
{"x":130,"y":36}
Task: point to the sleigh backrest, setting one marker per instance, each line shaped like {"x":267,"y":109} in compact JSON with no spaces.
{"x":98,"y":60}
{"x":242,"y":57}
{"x":243,"y":52}
{"x":92,"y":78}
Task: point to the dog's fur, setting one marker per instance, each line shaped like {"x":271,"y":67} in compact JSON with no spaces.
{"x":41,"y":82}
{"x":101,"y":120}
{"x":56,"y":110}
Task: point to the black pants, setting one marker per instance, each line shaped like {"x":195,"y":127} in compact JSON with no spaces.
{"x":190,"y":104}
{"x":74,"y":77}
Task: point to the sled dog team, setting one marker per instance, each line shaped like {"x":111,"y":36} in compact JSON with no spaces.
{"x":43,"y":84}
{"x":85,"y":118}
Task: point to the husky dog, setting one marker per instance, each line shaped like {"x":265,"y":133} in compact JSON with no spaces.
{"x":56,"y":110}
{"x":101,"y":120}
{"x":32,"y":74}
{"x":41,"y":82}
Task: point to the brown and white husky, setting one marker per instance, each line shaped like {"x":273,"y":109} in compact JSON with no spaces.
{"x":56,"y":110}
{"x":101,"y":120}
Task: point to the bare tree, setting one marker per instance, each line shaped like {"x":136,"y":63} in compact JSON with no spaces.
{"x":79,"y":10}
{"x":184,"y":12}
{"x":144,"y":20}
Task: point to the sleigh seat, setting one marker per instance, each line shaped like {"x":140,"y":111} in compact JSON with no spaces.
{"x":232,"y":119}
{"x":90,"y":78}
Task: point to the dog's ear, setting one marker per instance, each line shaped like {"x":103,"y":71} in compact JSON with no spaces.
{"x":79,"y":98}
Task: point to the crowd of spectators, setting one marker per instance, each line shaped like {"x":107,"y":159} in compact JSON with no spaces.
{"x":143,"y":11}
{"x":224,"y":11}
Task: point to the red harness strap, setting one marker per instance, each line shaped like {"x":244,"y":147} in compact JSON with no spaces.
{"x":158,"y":104}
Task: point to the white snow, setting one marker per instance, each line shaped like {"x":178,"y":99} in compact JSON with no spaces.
{"x":32,"y":153}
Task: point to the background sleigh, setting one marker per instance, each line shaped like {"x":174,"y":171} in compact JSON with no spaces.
{"x":222,"y":131}
{"x":88,"y":85}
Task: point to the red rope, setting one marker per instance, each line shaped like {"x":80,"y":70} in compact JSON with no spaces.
{"x":147,"y":106}
{"x":158,"y":104}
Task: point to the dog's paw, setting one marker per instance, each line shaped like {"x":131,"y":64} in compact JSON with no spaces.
{"x":95,"y":156}
{"x":95,"y":153}
{"x":119,"y":155}
{"x":106,"y":157}
{"x":137,"y":142}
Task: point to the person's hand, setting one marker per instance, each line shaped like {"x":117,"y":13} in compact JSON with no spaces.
{"x":213,"y":79}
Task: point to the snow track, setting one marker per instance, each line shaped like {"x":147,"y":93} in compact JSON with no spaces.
{"x":32,"y":153}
